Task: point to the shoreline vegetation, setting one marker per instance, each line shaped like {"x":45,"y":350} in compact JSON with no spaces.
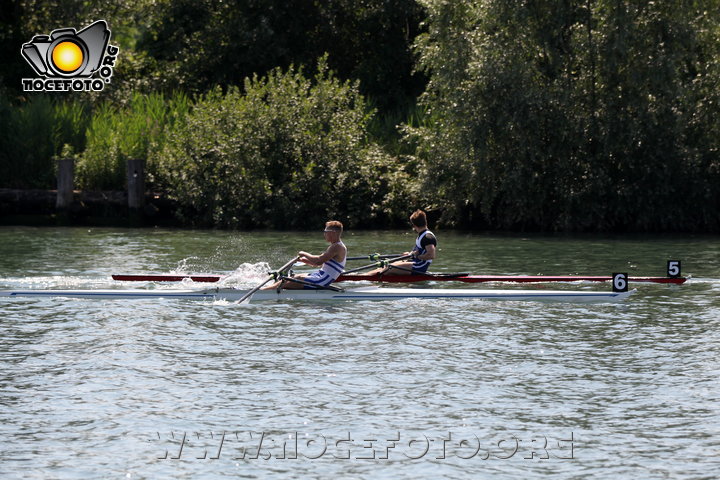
{"x":589,"y":116}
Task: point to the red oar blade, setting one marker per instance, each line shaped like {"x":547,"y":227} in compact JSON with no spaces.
{"x":456,"y":277}
{"x":167,"y":278}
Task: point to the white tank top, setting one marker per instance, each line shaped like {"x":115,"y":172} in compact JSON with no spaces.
{"x":332,"y":267}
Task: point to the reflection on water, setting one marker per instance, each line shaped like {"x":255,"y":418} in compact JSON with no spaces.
{"x":115,"y":388}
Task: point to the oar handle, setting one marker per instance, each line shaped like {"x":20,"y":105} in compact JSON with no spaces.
{"x":288,"y":264}
{"x":382,"y":263}
{"x":273,"y":275}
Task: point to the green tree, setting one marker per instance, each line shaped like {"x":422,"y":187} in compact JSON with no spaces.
{"x":23,"y":19}
{"x":579,"y":115}
{"x":200,"y":44}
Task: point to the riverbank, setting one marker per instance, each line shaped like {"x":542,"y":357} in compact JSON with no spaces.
{"x":109,"y":208}
{"x":37,"y":207}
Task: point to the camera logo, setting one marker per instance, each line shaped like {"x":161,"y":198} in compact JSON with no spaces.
{"x":67,"y":60}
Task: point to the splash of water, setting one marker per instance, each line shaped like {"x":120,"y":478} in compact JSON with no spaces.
{"x":247,"y":274}
{"x":186,"y":265}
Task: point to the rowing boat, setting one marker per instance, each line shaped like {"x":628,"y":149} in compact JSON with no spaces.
{"x":456,"y":277}
{"x":362,"y":293}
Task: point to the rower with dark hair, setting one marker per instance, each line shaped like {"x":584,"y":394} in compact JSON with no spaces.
{"x":423,"y":252}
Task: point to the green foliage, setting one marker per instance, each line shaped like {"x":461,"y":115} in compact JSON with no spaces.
{"x":290,"y":152}
{"x":202,"y":43}
{"x":193,"y":45}
{"x":20,"y":20}
{"x":117,"y":134}
{"x":581,"y":115}
{"x":570,"y":115}
{"x":33,"y":134}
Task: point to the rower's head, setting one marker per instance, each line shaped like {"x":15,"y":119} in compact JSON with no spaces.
{"x":333,"y":231}
{"x":418,"y":219}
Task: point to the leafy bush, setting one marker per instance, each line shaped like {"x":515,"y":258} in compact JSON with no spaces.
{"x":289,"y":152}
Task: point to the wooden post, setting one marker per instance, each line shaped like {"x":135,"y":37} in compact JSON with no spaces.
{"x":65,"y":180}
{"x":136,"y":183}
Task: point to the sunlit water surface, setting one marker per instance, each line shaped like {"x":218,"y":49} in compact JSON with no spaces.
{"x":402,"y":389}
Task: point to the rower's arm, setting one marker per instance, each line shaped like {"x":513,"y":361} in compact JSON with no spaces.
{"x":429,"y":253}
{"x":331,"y":252}
{"x":308,"y":258}
{"x":317,"y":260}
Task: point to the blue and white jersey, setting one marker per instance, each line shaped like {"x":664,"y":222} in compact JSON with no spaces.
{"x":424,"y":239}
{"x":329,"y":272}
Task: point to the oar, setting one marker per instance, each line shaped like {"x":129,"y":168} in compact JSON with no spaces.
{"x":378,"y":264}
{"x":375,"y":256}
{"x":273,"y":276}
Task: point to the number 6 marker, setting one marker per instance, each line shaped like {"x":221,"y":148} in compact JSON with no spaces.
{"x":620,"y":282}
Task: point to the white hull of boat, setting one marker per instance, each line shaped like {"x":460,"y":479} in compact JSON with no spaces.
{"x":365,"y":293}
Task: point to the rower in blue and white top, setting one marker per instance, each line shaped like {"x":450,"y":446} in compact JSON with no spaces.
{"x":425,"y":243}
{"x":423,"y":252}
{"x":331,"y":261}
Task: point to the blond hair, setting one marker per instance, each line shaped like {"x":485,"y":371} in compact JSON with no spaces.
{"x":334,"y":225}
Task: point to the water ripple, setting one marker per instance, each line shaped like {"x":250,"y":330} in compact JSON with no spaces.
{"x":105,"y":388}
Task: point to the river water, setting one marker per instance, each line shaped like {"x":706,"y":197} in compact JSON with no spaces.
{"x":402,"y":389}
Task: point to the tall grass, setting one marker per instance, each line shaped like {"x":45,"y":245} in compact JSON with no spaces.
{"x":33,"y":134}
{"x":118,"y":134}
